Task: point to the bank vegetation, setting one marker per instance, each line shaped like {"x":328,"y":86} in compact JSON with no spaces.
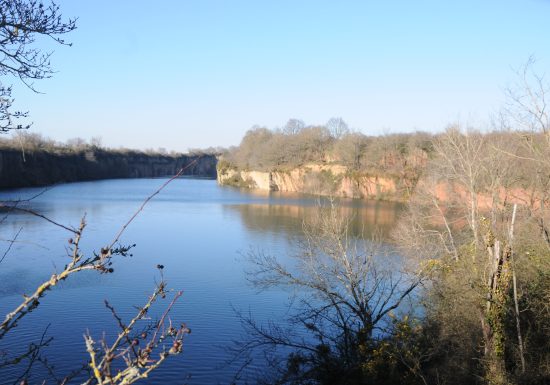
{"x":397,"y":158}
{"x":468,"y":301}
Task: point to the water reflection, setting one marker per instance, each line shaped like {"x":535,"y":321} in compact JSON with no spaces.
{"x":195,"y":228}
{"x":367,"y":219}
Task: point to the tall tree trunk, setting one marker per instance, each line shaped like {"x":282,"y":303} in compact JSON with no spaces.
{"x":515,"y":288}
{"x":495,"y":313}
{"x":473,"y":217}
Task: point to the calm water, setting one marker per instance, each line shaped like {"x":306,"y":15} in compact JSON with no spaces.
{"x":195,"y":228}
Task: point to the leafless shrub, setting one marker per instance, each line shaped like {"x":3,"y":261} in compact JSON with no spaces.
{"x":347,"y":291}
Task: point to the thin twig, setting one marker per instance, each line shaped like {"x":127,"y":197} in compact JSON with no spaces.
{"x":12,"y":204}
{"x":11,"y":242}
{"x":146,"y":201}
{"x":32,"y":212}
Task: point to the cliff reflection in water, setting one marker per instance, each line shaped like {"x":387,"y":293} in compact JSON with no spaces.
{"x":367,"y":218}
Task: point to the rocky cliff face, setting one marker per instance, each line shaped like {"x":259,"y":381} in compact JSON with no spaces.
{"x":43,"y":168}
{"x":319,"y":180}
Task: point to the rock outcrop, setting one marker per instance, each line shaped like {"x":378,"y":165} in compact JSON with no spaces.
{"x":42,"y":168}
{"x":316,"y":179}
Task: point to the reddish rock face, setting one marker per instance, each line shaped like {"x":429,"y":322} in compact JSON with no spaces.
{"x":316,"y":179}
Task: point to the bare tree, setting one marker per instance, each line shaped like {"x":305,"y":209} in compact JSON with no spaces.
{"x":463,"y":220}
{"x":348,"y":289}
{"x":461,"y":157}
{"x":337,"y":127}
{"x":350,"y":149}
{"x":7,"y":116}
{"x":22,"y":22}
{"x":527,"y":110}
{"x":527,"y":104}
{"x":293,"y":126}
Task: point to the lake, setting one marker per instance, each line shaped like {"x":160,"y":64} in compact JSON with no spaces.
{"x":195,"y":228}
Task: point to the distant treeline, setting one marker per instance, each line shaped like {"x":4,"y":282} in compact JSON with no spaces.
{"x":391,"y":155}
{"x":29,"y":159}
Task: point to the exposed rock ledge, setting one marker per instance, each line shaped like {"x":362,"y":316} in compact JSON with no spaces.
{"x":319,"y":180}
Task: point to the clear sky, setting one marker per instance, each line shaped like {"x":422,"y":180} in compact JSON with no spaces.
{"x":199,"y":73}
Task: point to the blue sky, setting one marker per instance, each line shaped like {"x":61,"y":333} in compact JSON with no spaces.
{"x":186,"y":74}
